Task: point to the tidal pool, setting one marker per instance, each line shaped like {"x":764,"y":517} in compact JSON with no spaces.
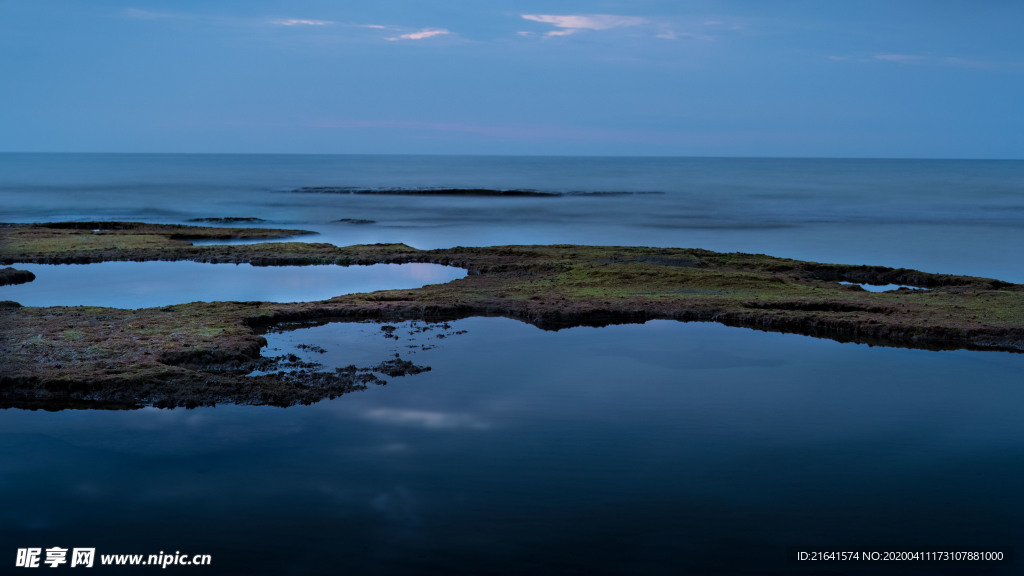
{"x":148,"y":284}
{"x":664,"y":448}
{"x":881,"y":287}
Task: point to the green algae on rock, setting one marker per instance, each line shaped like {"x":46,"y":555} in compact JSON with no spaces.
{"x":85,"y":242}
{"x":199,"y":353}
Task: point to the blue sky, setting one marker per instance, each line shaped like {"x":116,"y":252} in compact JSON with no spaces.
{"x":646,"y":77}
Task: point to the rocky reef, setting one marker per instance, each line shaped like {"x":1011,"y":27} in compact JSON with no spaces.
{"x":200,"y":353}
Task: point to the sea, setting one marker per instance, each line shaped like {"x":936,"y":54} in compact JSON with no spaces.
{"x":661,"y":448}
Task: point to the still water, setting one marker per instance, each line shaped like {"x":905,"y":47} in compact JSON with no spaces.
{"x":665,"y":448}
{"x":150,"y":284}
{"x":662,"y":448}
{"x":948,"y":216}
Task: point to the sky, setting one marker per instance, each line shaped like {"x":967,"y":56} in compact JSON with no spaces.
{"x":810,"y":78}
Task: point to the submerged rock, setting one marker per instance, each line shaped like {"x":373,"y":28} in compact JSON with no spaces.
{"x":227,"y":220}
{"x":355,"y":221}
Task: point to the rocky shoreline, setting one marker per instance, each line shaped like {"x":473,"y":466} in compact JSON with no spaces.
{"x":198,"y":354}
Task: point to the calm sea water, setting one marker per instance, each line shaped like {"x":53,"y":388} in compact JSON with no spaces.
{"x":946,"y":216}
{"x":663,"y":448}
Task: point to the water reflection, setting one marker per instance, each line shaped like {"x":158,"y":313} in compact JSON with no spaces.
{"x":882,"y":287}
{"x":149,"y":284}
{"x":426,"y":419}
{"x":664,"y":448}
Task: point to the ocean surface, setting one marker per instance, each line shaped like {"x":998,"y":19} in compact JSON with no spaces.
{"x":948,"y":216}
{"x":663,"y":448}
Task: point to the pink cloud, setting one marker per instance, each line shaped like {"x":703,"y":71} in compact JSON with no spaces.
{"x":568,"y":24}
{"x":586,"y":21}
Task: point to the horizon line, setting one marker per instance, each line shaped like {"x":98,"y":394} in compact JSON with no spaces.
{"x":651,"y":156}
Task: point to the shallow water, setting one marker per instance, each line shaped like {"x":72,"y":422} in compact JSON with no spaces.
{"x":947,"y":216}
{"x":664,"y":448}
{"x":149,"y":284}
{"x":658,"y":449}
{"x":882,"y":287}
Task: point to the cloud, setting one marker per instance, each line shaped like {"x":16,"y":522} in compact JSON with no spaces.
{"x":967,"y":63}
{"x":900,"y":58}
{"x":897,"y":58}
{"x":422,"y":34}
{"x":922,"y":60}
{"x":586,"y":21}
{"x":374,"y":26}
{"x":223,"y":20}
{"x":573,"y":23}
{"x":301,"y":22}
{"x":569,"y":24}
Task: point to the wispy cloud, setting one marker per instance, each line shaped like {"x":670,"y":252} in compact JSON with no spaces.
{"x":900,"y":58}
{"x":967,"y":63}
{"x":301,"y":22}
{"x":421,"y":35}
{"x":149,"y":14}
{"x":573,"y":23}
{"x":919,"y":59}
{"x":138,"y":14}
{"x":587,"y":21}
{"x":397,"y":32}
{"x":567,"y":25}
